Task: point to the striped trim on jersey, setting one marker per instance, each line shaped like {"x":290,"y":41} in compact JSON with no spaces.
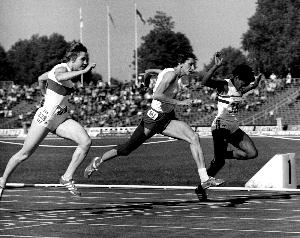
{"x":58,"y":88}
{"x":228,"y":96}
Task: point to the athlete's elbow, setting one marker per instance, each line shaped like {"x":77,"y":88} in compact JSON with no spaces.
{"x":59,"y":78}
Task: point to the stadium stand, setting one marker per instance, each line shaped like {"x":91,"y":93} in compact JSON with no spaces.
{"x":122,"y":105}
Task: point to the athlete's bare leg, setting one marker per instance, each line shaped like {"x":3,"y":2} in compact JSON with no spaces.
{"x":181,"y":130}
{"x":139,"y":136}
{"x":135,"y":139}
{"x":72,"y":130}
{"x":34,"y":137}
{"x":245,"y":149}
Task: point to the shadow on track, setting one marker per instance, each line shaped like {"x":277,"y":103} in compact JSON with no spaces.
{"x":148,"y":206}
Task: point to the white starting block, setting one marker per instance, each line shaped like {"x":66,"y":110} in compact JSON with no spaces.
{"x":278,"y":172}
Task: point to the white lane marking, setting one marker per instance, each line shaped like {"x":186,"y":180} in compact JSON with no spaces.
{"x":93,"y":146}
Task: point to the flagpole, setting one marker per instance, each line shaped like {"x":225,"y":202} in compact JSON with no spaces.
{"x":81,"y":24}
{"x":108,"y":48}
{"x":136,"y":54}
{"x":80,"y":35}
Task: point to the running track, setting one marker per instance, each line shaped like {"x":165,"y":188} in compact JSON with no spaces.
{"x":136,"y":212}
{"x":115,"y":212}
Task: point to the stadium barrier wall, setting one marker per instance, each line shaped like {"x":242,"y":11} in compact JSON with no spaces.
{"x":202,"y":131}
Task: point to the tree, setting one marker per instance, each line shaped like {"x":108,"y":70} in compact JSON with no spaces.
{"x":5,"y":67}
{"x":231,"y":58}
{"x":30,"y":58}
{"x":162,"y":47}
{"x":161,"y":22}
{"x":273,"y":38}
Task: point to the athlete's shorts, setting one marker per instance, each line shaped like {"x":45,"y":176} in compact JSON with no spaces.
{"x":157,"y":121}
{"x":220,"y":123}
{"x":43,"y":117}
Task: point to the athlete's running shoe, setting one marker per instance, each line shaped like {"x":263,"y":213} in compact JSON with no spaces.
{"x":92,"y":167}
{"x":69,"y":184}
{"x":201,"y":193}
{"x":212,"y":182}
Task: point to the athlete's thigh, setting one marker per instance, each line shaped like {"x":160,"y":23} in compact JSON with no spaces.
{"x":34,"y":137}
{"x":72,"y":130}
{"x":242,"y":141}
{"x":179,"y":130}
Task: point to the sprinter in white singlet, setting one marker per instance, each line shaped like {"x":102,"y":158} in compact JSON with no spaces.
{"x":160,"y":118}
{"x":225,"y":127}
{"x":54,"y":110}
{"x":53,"y":116}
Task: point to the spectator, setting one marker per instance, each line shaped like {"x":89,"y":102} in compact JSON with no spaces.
{"x":288,"y":79}
{"x":273,"y":77}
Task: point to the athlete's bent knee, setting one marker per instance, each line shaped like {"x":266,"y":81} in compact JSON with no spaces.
{"x":123,"y":150}
{"x":22,"y":156}
{"x":252,"y":154}
{"x":86,"y":143}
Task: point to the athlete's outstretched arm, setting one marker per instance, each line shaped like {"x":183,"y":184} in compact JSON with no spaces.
{"x":208,"y":80}
{"x":252,"y":85}
{"x":62,"y":74}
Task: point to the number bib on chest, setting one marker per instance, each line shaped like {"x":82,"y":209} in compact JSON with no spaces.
{"x":152,"y":114}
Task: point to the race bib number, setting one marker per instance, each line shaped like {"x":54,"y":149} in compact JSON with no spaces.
{"x":233,"y":107}
{"x":61,"y":110}
{"x":42,"y":116}
{"x":152,"y":114}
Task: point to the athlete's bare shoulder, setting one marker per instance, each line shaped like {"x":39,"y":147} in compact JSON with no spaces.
{"x":169,"y":76}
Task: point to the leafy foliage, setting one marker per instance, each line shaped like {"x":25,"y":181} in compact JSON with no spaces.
{"x":30,"y":58}
{"x":162,"y":47}
{"x":5,"y":68}
{"x":273,"y":38}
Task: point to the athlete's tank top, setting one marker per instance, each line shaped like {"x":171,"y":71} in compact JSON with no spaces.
{"x":170,"y":92}
{"x":57,"y":91}
{"x":229,"y":103}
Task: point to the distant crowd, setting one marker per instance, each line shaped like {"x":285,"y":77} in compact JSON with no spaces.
{"x":122,"y":105}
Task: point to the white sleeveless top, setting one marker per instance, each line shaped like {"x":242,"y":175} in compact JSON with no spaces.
{"x":229,"y":103}
{"x":170,"y":92}
{"x":57,"y":93}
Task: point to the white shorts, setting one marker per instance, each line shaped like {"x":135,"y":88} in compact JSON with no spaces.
{"x":43,"y":118}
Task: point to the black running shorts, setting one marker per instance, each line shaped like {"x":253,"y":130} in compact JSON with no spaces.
{"x":157,"y":121}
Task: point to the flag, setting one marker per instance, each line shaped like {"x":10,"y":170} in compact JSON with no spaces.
{"x":111,"y":19}
{"x":80,"y":18}
{"x":140,"y":15}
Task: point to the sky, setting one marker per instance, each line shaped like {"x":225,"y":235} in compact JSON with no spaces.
{"x":210,"y":25}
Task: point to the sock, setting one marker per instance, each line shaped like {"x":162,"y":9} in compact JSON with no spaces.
{"x":203,"y":174}
{"x":64,"y":178}
{"x":96,"y":164}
